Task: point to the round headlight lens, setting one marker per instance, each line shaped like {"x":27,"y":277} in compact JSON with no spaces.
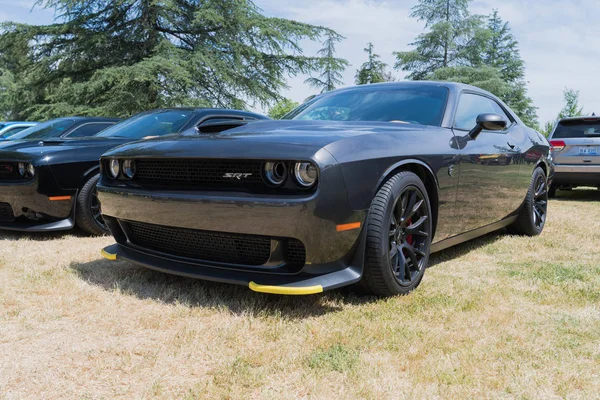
{"x":129,"y":168}
{"x":275,"y":172}
{"x":114,"y":167}
{"x":30,"y":170}
{"x":21,"y":167}
{"x":305,"y":174}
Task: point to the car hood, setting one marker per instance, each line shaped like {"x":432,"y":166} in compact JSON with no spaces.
{"x":313,"y":133}
{"x":45,"y":148}
{"x":263,"y":139}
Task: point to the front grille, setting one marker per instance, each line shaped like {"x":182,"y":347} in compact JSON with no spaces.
{"x":220,"y":247}
{"x":296,"y":253}
{"x":9,"y":171}
{"x":233,"y":173}
{"x":6,"y":213}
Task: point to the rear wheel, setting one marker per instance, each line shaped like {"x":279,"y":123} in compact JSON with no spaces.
{"x":88,"y":212}
{"x":532,"y":217}
{"x":398,"y":236}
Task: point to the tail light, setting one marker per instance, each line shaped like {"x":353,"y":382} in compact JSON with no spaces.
{"x":557,"y":145}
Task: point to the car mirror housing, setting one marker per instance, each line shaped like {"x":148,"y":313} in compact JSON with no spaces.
{"x":489,"y":122}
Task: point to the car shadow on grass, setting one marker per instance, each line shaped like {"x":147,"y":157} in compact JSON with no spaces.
{"x":464,"y":248}
{"x":130,"y":279}
{"x":41,"y":236}
{"x":577,"y":195}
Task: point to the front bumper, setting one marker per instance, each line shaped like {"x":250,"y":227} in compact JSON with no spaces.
{"x":333,"y":256}
{"x":38,"y":205}
{"x":576,"y":175}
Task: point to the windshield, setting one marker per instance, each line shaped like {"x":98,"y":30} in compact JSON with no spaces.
{"x":10,"y":132}
{"x":53,"y":128}
{"x":149,"y":124}
{"x":577,"y":129}
{"x":417,"y":105}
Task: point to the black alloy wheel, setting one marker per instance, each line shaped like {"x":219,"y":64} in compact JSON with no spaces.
{"x":88,"y":212}
{"x":532,"y":216}
{"x":96,"y":210}
{"x":398,"y":235}
{"x":540,"y":202}
{"x":408,"y":235}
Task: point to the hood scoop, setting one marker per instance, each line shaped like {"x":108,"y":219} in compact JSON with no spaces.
{"x":50,"y":141}
{"x":220,"y":126}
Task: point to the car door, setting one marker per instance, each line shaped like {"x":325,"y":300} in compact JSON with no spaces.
{"x":489,"y":188}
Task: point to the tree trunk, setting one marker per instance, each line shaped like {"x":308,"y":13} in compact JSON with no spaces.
{"x":149,"y":21}
{"x":446,"y":44}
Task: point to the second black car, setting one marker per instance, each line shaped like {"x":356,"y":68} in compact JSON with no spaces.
{"x":49,"y":183}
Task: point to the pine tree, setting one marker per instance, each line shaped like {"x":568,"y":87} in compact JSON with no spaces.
{"x":501,"y":49}
{"x":449,"y":41}
{"x":570,"y":109}
{"x":372,"y":71}
{"x":118,"y":57}
{"x":331,"y":68}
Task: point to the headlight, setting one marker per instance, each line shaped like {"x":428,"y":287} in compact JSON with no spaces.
{"x":275,"y":172}
{"x":305,"y":174}
{"x":114,"y":167}
{"x":30,"y":170}
{"x":21,"y":169}
{"x":129,"y":168}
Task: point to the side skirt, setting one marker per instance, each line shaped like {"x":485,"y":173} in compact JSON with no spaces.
{"x":464,"y":237}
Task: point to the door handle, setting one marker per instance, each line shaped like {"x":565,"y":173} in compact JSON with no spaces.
{"x":512,"y":146}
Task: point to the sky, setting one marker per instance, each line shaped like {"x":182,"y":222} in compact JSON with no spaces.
{"x":559,"y":40}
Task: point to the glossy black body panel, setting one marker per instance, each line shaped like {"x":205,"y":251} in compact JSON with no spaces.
{"x":474,"y":186}
{"x":63,"y":165}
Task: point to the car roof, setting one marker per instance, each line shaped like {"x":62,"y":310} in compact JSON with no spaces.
{"x":88,"y":119}
{"x":581,"y":118}
{"x":454,"y":86}
{"x":17,"y":122}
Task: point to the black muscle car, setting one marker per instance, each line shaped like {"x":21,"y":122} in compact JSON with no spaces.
{"x":359,"y":185}
{"x":50,"y":183}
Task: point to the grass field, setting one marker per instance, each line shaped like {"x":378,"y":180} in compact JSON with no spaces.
{"x":502,"y":316}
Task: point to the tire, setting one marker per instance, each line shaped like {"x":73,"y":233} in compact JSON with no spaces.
{"x":532,"y":216}
{"x":87,"y":209}
{"x":552,"y":192}
{"x":391,"y":225}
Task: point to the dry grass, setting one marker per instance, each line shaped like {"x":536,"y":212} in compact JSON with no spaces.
{"x":499,"y":317}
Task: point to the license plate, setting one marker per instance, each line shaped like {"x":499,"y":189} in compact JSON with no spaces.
{"x":588,"y":151}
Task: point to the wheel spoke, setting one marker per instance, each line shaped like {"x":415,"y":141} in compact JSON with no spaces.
{"x":412,"y":254}
{"x":404,"y":266}
{"x":414,"y":227}
{"x":414,"y":209}
{"x":394,"y":250}
{"x":408,"y":211}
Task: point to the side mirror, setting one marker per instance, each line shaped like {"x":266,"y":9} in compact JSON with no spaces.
{"x":489,"y":122}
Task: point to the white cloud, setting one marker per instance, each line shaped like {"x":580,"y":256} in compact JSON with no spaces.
{"x":558,"y":39}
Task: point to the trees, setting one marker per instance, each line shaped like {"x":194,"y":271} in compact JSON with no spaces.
{"x":106,"y":57}
{"x":449,"y":41}
{"x":372,"y":71}
{"x":460,"y":47}
{"x":281,"y":108}
{"x":570,"y":109}
{"x":331,"y":68}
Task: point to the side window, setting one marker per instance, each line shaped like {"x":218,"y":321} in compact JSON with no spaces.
{"x":17,"y":129}
{"x":470,"y":106}
{"x":89,"y":129}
